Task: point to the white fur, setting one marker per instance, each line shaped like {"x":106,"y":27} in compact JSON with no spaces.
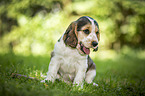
{"x":90,"y":76}
{"x":69,"y":63}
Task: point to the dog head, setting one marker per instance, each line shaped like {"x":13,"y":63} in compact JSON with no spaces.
{"x":83,"y":34}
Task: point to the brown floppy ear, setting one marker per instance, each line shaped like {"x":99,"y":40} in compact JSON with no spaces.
{"x":70,"y":35}
{"x":98,"y":36}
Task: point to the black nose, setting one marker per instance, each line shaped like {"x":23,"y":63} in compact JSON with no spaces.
{"x":94,"y":44}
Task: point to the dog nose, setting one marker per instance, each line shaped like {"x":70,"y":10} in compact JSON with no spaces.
{"x":94,"y":43}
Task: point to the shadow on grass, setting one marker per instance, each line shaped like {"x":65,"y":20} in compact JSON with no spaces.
{"x":123,"y":76}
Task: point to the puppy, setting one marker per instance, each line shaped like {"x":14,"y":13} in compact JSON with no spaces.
{"x":70,"y":59}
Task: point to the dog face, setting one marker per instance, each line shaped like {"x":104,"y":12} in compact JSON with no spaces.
{"x":83,"y":34}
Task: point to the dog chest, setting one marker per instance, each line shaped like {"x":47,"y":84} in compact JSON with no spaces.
{"x":69,"y":58}
{"x":68,"y":64}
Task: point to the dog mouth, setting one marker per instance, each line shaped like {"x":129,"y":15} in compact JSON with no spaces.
{"x":84,"y":49}
{"x":95,"y":49}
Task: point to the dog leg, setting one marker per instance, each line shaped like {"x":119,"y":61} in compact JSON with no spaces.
{"x":90,"y":75}
{"x":52,"y":70}
{"x":79,"y":78}
{"x":80,"y":74}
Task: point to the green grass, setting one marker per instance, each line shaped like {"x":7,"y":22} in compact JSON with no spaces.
{"x":121,"y":77}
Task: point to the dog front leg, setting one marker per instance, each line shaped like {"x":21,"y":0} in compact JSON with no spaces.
{"x":53,"y":69}
{"x":80,"y":75}
{"x":79,"y":78}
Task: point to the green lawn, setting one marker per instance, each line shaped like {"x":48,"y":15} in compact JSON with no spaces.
{"x":122,"y":76}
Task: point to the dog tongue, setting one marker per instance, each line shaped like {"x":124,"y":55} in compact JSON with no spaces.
{"x":86,"y":50}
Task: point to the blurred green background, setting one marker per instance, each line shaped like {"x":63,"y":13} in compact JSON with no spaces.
{"x":32,"y":27}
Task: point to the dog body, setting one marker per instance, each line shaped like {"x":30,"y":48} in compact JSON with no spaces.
{"x":70,"y":59}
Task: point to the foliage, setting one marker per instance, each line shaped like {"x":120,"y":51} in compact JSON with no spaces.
{"x":33,"y":27}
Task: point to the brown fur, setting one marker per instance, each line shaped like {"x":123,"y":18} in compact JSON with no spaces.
{"x":52,"y":54}
{"x":91,"y":64}
{"x":70,"y":36}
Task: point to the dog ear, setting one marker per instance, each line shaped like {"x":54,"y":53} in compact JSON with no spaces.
{"x":98,"y":36}
{"x":70,"y":35}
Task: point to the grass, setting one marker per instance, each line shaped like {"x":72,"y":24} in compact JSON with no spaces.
{"x":122,"y":76}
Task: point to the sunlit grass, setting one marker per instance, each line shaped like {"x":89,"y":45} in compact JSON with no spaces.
{"x":120,"y":76}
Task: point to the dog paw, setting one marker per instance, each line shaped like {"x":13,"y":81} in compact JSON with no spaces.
{"x":43,"y":81}
{"x":94,"y":84}
{"x":78,"y":85}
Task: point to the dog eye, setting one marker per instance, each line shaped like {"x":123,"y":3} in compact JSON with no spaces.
{"x":86,"y":31}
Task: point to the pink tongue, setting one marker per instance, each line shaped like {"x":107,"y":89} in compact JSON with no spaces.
{"x":87,"y":51}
